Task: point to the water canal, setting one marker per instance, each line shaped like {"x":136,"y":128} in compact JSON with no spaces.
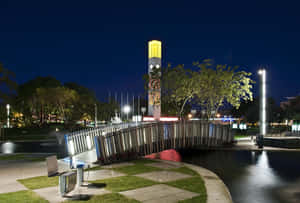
{"x":253,"y":177}
{"x":52,"y":147}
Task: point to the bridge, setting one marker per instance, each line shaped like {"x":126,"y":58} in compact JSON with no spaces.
{"x":116,"y":143}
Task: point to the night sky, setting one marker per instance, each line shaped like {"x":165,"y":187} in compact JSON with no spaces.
{"x":103,"y":44}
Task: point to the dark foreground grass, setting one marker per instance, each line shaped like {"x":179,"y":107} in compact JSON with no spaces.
{"x":12,"y":157}
{"x":24,"y":157}
{"x":107,"y":198}
{"x":21,"y":197}
{"x":144,"y":161}
{"x":39,"y":182}
{"x":123,"y":183}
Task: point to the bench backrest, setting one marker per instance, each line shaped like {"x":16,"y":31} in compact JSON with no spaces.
{"x":52,"y":165}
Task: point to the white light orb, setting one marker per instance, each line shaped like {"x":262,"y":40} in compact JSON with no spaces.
{"x":126,"y":109}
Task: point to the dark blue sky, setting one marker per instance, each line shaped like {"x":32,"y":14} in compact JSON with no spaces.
{"x":103,"y":44}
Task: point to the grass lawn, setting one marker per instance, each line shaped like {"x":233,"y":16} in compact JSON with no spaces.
{"x":194,"y":184}
{"x":108,"y":198}
{"x":136,"y":169}
{"x":197,"y":199}
{"x":119,"y":184}
{"x":12,"y":157}
{"x":25,"y":157}
{"x":144,"y":161}
{"x":39,"y":182}
{"x":115,"y":185}
{"x":21,"y":196}
{"x":93,"y":168}
{"x":185,"y":170}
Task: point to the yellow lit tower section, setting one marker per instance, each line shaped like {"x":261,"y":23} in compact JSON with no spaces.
{"x":154,"y":71}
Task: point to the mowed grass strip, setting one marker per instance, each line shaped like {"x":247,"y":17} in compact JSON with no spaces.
{"x":39,"y":182}
{"x":194,"y":184}
{"x":93,"y":168}
{"x":23,"y":157}
{"x":108,"y":198}
{"x":21,"y":197}
{"x":144,"y":161}
{"x":12,"y":157}
{"x":185,"y":170}
{"x":197,"y":199}
{"x":136,"y":169}
{"x":123,"y":183}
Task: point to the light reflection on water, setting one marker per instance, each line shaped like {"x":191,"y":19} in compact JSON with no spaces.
{"x":33,"y":147}
{"x":251,"y":177}
{"x":8,"y":148}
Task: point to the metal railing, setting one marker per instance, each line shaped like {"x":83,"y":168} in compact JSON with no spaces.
{"x":83,"y":140}
{"x":142,"y":140}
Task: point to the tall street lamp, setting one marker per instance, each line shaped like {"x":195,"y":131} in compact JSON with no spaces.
{"x":262,"y":106}
{"x":96,"y":115}
{"x":7,"y":108}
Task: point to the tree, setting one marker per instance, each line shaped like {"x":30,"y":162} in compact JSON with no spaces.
{"x":7,"y":84}
{"x":249,"y":111}
{"x":292,"y":109}
{"x":178,"y":87}
{"x":27,"y":100}
{"x":57,"y":101}
{"x":84,"y":107}
{"x":218,"y":84}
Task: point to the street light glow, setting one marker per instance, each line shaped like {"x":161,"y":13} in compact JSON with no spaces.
{"x":126,"y":109}
{"x":7,"y":107}
{"x":262,"y":73}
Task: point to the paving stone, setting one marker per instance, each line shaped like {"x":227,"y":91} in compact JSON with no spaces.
{"x":52,"y":193}
{"x":11,"y":186}
{"x":101,"y":174}
{"x":164,"y":165}
{"x":159,"y":193}
{"x":118,"y":165}
{"x":163,"y":176}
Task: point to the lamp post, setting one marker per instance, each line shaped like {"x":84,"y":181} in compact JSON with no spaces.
{"x":7,"y":108}
{"x":126,"y":110}
{"x":143,"y":109}
{"x":262,"y":108}
{"x":96,"y":115}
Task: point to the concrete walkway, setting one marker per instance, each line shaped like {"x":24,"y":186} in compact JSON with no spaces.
{"x":11,"y":171}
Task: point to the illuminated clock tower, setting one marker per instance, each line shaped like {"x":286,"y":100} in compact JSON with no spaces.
{"x":154,"y":71}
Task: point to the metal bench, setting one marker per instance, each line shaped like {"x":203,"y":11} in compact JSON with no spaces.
{"x":67,"y":180}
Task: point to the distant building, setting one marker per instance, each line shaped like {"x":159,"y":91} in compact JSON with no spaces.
{"x":286,"y":103}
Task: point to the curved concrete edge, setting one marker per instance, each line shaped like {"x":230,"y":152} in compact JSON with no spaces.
{"x":216,"y":190}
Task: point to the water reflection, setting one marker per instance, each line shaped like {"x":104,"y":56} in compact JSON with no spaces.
{"x":252,"y":177}
{"x":8,"y":148}
{"x":33,"y":147}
